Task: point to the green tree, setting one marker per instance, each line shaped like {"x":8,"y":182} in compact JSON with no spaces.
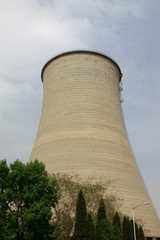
{"x":90,"y":230}
{"x":4,"y":170}
{"x":103,"y":228}
{"x":69,"y":187}
{"x":116,"y":221}
{"x":27,"y":196}
{"x":116,"y":228}
{"x":139,"y":231}
{"x":127,"y":233}
{"x":114,"y":234}
{"x":140,"y":234}
{"x":81,"y":218}
{"x":101,"y":211}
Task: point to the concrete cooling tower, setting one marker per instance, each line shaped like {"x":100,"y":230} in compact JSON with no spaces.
{"x":82,"y":131}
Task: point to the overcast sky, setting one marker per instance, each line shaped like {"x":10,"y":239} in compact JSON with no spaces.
{"x":33,"y":31}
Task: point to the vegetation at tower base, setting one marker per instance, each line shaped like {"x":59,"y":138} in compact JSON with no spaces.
{"x":116,"y":225}
{"x":127,"y":230}
{"x":103,"y":228}
{"x":65,"y":210}
{"x":117,"y":221}
{"x":27,"y":195}
{"x":90,"y":230}
{"x":30,"y":210}
{"x":69,"y":187}
{"x":139,"y":231}
{"x":81,"y":219}
{"x":140,"y":235}
{"x":101,"y":211}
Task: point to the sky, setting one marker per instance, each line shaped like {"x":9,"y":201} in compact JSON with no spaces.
{"x":34,"y":31}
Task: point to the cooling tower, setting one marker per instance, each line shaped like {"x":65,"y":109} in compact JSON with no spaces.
{"x":82,"y":131}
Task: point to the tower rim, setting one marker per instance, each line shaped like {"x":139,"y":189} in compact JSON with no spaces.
{"x":82,"y":51}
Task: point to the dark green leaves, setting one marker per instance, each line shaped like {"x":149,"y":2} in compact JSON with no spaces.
{"x":27,"y":195}
{"x":81,"y":218}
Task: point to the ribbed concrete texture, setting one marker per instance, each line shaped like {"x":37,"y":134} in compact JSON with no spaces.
{"x":82,"y":131}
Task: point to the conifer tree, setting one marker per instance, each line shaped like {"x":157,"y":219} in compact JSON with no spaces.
{"x":81,"y":218}
{"x":127,"y":233}
{"x":69,"y":187}
{"x":115,"y":234}
{"x":138,"y":237}
{"x":141,"y":233}
{"x":103,"y":228}
{"x":90,"y":230}
{"x":101,"y":211}
{"x":116,"y":228}
{"x":117,"y":221}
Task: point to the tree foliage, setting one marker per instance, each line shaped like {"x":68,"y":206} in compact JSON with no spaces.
{"x":81,"y":218}
{"x":27,"y":195}
{"x":90,"y":229}
{"x":117,"y":221}
{"x":29,"y":208}
{"x":127,"y":229}
{"x":101,"y":211}
{"x":103,"y":228}
{"x":140,"y":234}
{"x":116,"y":227}
{"x":69,"y":186}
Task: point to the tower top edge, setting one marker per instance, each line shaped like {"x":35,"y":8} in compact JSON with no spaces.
{"x":81,"y":51}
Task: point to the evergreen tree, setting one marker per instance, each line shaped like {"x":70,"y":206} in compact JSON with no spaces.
{"x":101,"y":211}
{"x":90,"y":231}
{"x":116,"y":228}
{"x":141,"y":233}
{"x":117,"y":221}
{"x":138,"y":237}
{"x":69,"y":187}
{"x":81,"y":218}
{"x":127,"y":233}
{"x":103,"y":228}
{"x":115,"y":234}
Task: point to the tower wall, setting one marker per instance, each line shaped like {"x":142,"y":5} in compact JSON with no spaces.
{"x":82,"y":130}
